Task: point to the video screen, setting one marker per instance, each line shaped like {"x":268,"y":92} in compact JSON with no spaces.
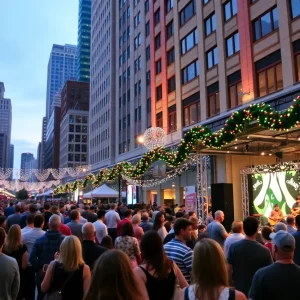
{"x":266,"y":190}
{"x":131,"y":194}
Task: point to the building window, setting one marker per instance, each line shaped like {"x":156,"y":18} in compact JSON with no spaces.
{"x":210,"y":24}
{"x":158,"y":67}
{"x":189,"y":41}
{"x":147,"y":6}
{"x":148,"y":53}
{"x":296,"y":48}
{"x":171,"y":56}
{"x":171,"y":84}
{"x":265,"y":24}
{"x":170,"y":29}
{"x":169,"y":5}
{"x":158,"y":92}
{"x":157,"y":17}
{"x":137,"y":64}
{"x":212,"y":58}
{"x":230,"y":9}
{"x":147,"y":29}
{"x":172,"y":119}
{"x":205,"y":1}
{"x":190,"y":72}
{"x":269,"y":74}
{"x":137,"y":19}
{"x":187,"y":12}
{"x":137,"y":88}
{"x":148,"y":78}
{"x":235,"y":97}
{"x":233,"y":44}
{"x":213,"y":99}
{"x":157,"y":42}
{"x":137,"y":41}
{"x":295,"y":8}
{"x":191,"y":110}
{"x":159,"y":120}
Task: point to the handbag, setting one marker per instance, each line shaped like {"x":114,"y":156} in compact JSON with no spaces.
{"x":56,"y":295}
{"x":177,"y":289}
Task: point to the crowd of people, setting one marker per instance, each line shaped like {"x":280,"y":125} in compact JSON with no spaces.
{"x":111,"y":252}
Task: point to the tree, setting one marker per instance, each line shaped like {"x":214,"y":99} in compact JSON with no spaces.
{"x":22,"y":194}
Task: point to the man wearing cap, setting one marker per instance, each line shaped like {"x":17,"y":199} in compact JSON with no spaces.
{"x":279,"y":280}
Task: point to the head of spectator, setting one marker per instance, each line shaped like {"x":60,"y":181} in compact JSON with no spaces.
{"x":38,"y":221}
{"x":127,"y":230}
{"x":237,"y":227}
{"x":113,"y":278}
{"x":192,"y":214}
{"x":209,"y":269}
{"x":17,"y":209}
{"x":11,"y":203}
{"x":153,"y":254}
{"x":183,"y":229}
{"x":101,"y":214}
{"x":170,"y":219}
{"x":2,"y":238}
{"x":113,"y":206}
{"x":88,"y":232}
{"x":92,"y":209}
{"x":195,"y":222}
{"x":86,"y":208}
{"x":145,"y":217}
{"x":3,"y":222}
{"x":70,"y":253}
{"x":73,"y":207}
{"x":62,"y":208}
{"x":219,"y":216}
{"x":265,"y":232}
{"x":179,"y":214}
{"x":280,"y":226}
{"x":136,"y":219}
{"x":29,"y":220}
{"x":75,"y":215}
{"x":159,"y":221}
{"x":13,"y":239}
{"x":26,"y":208}
{"x":202,"y":228}
{"x":107,"y":242}
{"x":182,"y":207}
{"x":32,"y":208}
{"x":161,"y":209}
{"x":128,"y":214}
{"x":284,"y":245}
{"x":250,"y":225}
{"x":54,"y":222}
{"x":290,"y":220}
{"x":46,"y":207}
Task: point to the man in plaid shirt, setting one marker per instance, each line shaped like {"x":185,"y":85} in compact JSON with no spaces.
{"x":44,"y":249}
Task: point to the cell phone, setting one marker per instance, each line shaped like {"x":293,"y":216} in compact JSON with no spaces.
{"x":45,"y":267}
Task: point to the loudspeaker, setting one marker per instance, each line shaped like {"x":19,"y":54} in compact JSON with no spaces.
{"x":222,"y":199}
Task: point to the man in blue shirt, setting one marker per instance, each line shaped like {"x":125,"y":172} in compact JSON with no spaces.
{"x":216,"y":230}
{"x":296,"y":235}
{"x":9,"y":210}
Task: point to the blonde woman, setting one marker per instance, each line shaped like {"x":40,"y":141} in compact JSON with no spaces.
{"x":68,"y":273}
{"x":138,"y":231}
{"x":13,"y":247}
{"x":209,"y":274}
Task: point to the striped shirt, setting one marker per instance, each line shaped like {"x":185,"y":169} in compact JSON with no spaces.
{"x":182,"y":255}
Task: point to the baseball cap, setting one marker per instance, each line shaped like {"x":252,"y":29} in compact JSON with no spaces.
{"x":280,"y":226}
{"x":283,"y":240}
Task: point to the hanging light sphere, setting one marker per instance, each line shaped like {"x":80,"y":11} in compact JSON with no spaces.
{"x":154,"y":137}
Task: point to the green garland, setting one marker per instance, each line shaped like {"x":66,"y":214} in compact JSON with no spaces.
{"x":238,"y":123}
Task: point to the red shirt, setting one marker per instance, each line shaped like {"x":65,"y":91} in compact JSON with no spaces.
{"x":64,"y":229}
{"x":120,"y":225}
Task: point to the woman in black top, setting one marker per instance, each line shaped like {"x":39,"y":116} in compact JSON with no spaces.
{"x":68,"y":274}
{"x":157,"y":274}
{"x":13,"y":247}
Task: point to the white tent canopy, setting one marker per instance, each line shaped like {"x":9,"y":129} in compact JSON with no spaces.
{"x":102,"y":192}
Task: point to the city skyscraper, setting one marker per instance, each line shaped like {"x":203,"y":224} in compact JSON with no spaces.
{"x":84,"y":40}
{"x":61,"y":67}
{"x":11,"y":156}
{"x":25,"y":159}
{"x":5,"y":128}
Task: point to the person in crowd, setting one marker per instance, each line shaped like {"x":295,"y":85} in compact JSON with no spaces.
{"x":9,"y":273}
{"x":265,"y":232}
{"x":127,"y":219}
{"x":107,"y":242}
{"x":24,"y":215}
{"x":31,"y":211}
{"x":129,"y":244}
{"x":3,"y":222}
{"x":247,"y":256}
{"x":75,"y":225}
{"x":159,"y":225}
{"x":67,"y":219}
{"x":145,"y":223}
{"x":63,"y":228}
{"x":137,"y":230}
{"x":62,"y":211}
{"x":195,"y":233}
{"x":29,"y":223}
{"x":90,"y":250}
{"x":13,"y":247}
{"x":88,"y":214}
{"x":202,"y":232}
{"x":112,"y":219}
{"x":210,"y":278}
{"x":55,"y":210}
{"x":237,"y":235}
{"x":113,"y":278}
{"x":216,"y":230}
{"x":276,"y":214}
{"x":278,"y":281}
{"x":192,"y":214}
{"x":176,"y":208}
{"x":296,"y":235}
{"x":280,"y":226}
{"x":9,"y":210}
{"x":157,"y":273}
{"x":290,"y":221}
{"x":44,"y":249}
{"x":101,"y":228}
{"x":159,"y":209}
{"x":178,"y":251}
{"x":47,"y":215}
{"x":296,"y":206}
{"x":68,"y":274}
{"x":14,"y":218}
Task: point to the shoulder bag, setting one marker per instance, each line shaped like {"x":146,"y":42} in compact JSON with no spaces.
{"x":177,"y":289}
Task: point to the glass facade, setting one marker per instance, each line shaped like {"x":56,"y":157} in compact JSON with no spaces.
{"x":84,"y":41}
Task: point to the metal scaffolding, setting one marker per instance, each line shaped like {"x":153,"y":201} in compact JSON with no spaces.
{"x":202,"y":207}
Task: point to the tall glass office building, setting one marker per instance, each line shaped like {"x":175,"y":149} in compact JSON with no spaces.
{"x":84,"y":40}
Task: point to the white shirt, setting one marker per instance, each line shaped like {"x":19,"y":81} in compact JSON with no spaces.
{"x":112,"y":218}
{"x":29,"y":237}
{"x":101,"y":230}
{"x":26,"y":229}
{"x":235,"y":237}
{"x":223,"y":296}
